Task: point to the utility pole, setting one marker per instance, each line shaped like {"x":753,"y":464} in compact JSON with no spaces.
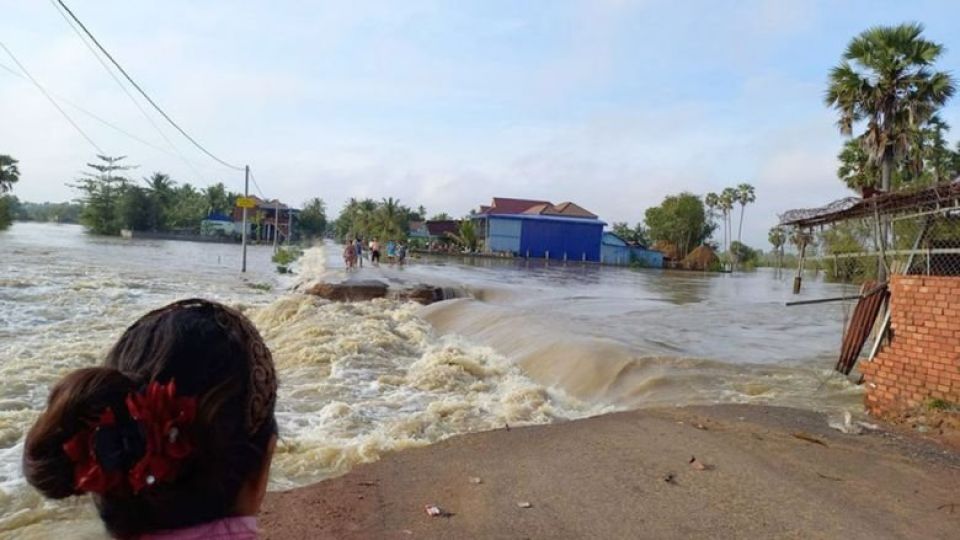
{"x":276,"y":223}
{"x":246,"y":193}
{"x":290,"y":226}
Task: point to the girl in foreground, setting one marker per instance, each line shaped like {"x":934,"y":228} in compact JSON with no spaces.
{"x":173,"y":436}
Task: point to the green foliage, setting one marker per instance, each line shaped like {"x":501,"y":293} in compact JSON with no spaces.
{"x":442,"y":216}
{"x":8,"y":210}
{"x":9,"y":173}
{"x":313,"y":218}
{"x":680,"y":220}
{"x":135,"y":208}
{"x":744,"y":254}
{"x":286,"y":256}
{"x":385,"y":220}
{"x":65,"y":212}
{"x":938,"y":404}
{"x":466,"y":236}
{"x":777,"y":237}
{"x":637,"y":234}
{"x":102,"y":188}
{"x":886,"y":80}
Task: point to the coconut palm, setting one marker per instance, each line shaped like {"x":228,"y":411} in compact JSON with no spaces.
{"x":886,"y":80}
{"x":9,"y":173}
{"x":745,"y":196}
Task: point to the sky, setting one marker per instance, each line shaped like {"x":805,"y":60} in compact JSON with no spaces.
{"x":613,"y":104}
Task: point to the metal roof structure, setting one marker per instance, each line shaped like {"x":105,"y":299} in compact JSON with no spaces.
{"x":909,"y":201}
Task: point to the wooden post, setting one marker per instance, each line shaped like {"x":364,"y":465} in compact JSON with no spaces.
{"x":798,"y":280}
{"x":246,"y":193}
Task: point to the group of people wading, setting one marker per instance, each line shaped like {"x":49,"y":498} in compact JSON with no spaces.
{"x":353,"y":253}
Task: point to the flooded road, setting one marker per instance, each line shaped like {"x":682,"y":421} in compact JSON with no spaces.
{"x":534,"y":344}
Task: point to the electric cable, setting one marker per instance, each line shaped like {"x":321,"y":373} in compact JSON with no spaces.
{"x":52,"y":101}
{"x":142,"y":92}
{"x":126,"y":91}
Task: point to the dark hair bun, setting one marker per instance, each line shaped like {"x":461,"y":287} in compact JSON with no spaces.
{"x":75,"y":402}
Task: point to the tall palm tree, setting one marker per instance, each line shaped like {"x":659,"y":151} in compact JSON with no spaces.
{"x":727,"y":198}
{"x":777,"y":237}
{"x":885,"y":78}
{"x":745,"y":196}
{"x":9,"y":173}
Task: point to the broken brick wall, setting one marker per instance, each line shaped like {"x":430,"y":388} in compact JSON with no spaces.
{"x":922,"y":361}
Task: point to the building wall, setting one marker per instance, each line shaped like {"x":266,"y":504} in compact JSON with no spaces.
{"x":503,"y":235}
{"x":573,"y":239}
{"x":922,"y":360}
{"x":614,"y":254}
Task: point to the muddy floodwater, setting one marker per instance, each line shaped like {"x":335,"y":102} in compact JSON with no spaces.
{"x":532,"y":343}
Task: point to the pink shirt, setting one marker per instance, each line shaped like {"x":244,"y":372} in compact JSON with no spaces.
{"x":233,"y":528}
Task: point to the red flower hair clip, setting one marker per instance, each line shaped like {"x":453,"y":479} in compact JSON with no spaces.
{"x":148,"y":448}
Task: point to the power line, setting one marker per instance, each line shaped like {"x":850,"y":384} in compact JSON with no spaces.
{"x":52,"y":101}
{"x":93,"y":115}
{"x":256,"y":185}
{"x":142,"y":92}
{"x":126,"y":91}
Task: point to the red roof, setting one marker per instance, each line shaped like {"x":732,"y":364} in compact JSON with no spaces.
{"x":502,"y":205}
{"x":543,"y":208}
{"x":441,"y":228}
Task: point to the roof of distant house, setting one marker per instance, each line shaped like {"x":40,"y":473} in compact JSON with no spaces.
{"x":442,"y":227}
{"x":503,"y":205}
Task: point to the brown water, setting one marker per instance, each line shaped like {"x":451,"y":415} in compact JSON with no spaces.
{"x":534,"y":344}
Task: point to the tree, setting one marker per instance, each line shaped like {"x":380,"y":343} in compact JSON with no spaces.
{"x":743,"y":253}
{"x":466,"y":236}
{"x":101,"y":190}
{"x":727,"y":198}
{"x":777,"y":238}
{"x":161,"y":193}
{"x":745,"y":195}
{"x":135,"y":208}
{"x":680,"y":220}
{"x":218,"y":201}
{"x":886,"y":79}
{"x":442,"y":216}
{"x":313,"y":218}
{"x":637,"y":234}
{"x":856,"y":169}
{"x":9,"y":173}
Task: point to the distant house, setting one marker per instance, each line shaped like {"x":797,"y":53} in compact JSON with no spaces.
{"x":539,"y":229}
{"x":418,"y":229}
{"x":442,"y":229}
{"x":616,"y":250}
{"x":266,"y":219}
{"x":217,"y":224}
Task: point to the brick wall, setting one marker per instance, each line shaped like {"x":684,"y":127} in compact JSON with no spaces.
{"x":922,"y":362}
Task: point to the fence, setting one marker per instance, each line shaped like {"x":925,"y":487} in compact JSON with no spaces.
{"x":899,"y":233}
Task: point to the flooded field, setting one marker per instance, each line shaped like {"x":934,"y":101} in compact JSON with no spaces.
{"x":534,"y":344}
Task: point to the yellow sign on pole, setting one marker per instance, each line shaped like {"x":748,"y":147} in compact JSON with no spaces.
{"x":246,"y":202}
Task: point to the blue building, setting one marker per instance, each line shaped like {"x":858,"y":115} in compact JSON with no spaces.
{"x":541,"y":230}
{"x":616,"y":250}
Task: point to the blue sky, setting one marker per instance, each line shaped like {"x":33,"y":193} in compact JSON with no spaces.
{"x":612,"y":104}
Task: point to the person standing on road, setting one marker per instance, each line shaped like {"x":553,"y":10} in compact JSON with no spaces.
{"x":375,"y":252}
{"x":358,"y":246}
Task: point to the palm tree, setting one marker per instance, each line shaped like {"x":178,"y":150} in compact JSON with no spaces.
{"x":745,"y":196}
{"x":466,"y":236}
{"x":777,"y":237}
{"x":727,"y":198}
{"x":161,"y":188}
{"x":9,"y":173}
{"x":886,"y":79}
{"x":856,"y":168}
